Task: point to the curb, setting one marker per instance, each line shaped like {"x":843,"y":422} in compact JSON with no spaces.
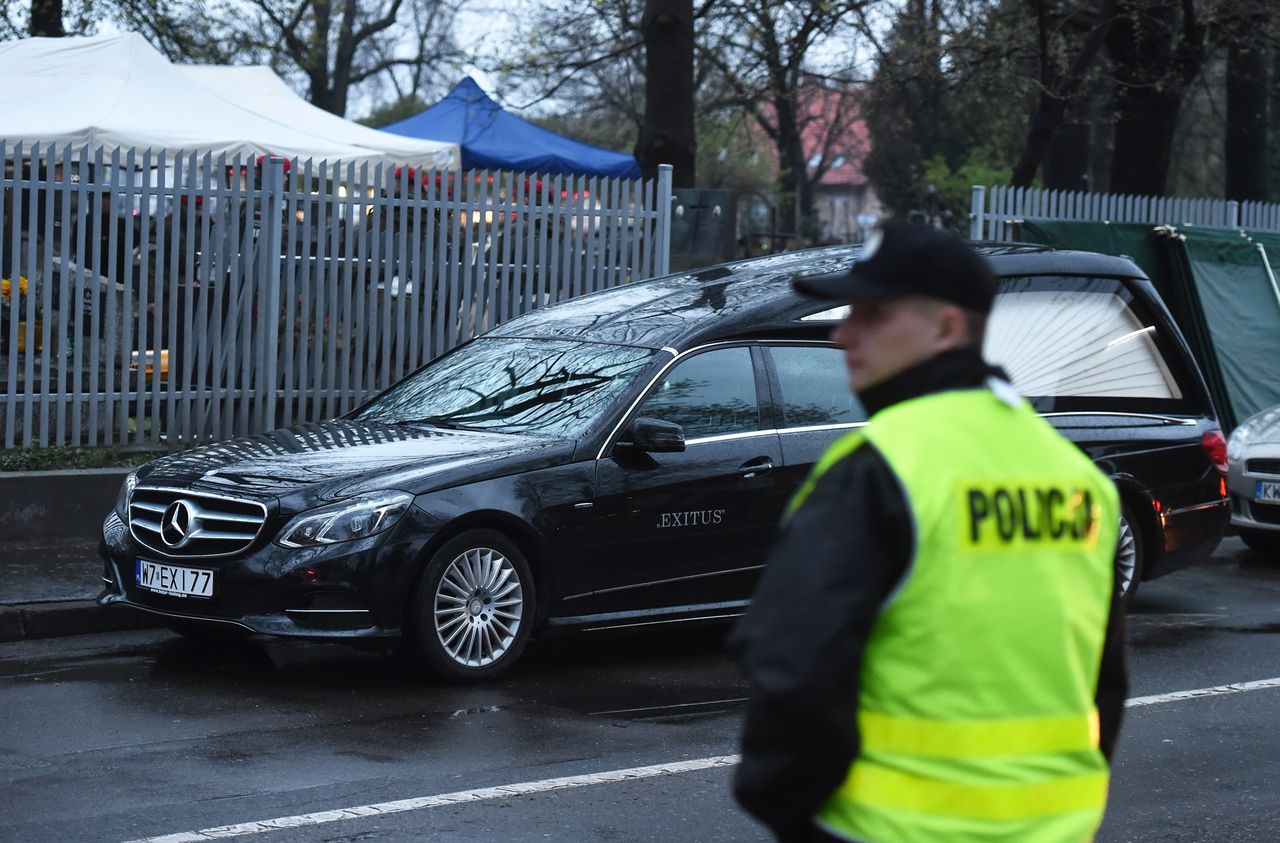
{"x":26,"y":621}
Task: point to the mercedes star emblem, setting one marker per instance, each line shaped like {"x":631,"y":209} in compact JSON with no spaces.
{"x":176,"y":523}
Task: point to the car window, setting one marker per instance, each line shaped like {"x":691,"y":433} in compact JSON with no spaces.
{"x":513,"y":385}
{"x":815,"y":387}
{"x":709,"y":394}
{"x":1080,"y":340}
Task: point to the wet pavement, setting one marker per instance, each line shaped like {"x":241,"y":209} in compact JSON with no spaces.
{"x":49,"y":570}
{"x":128,"y":735}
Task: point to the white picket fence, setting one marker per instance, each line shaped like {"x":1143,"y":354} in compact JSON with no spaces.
{"x":154,"y":300}
{"x":994,"y":210}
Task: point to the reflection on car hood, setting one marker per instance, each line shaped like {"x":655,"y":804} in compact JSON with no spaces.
{"x":340,"y":458}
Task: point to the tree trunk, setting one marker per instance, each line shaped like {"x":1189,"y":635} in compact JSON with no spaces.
{"x":46,"y":19}
{"x":1066,"y":159}
{"x":1144,"y":141}
{"x":1057,"y":92}
{"x":1273,"y":130}
{"x":1152,"y":70}
{"x":795,"y":198}
{"x":1246,"y":137}
{"x":667,"y":135}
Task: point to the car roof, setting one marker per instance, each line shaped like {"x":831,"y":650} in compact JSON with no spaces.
{"x":754,"y":297}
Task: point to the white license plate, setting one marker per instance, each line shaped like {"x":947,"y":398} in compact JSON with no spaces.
{"x":174,"y":581}
{"x":1266,"y":491}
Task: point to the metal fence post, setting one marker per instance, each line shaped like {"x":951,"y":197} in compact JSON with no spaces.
{"x":664,"y":219}
{"x":270,"y":249}
{"x":977,"y":207}
{"x":1233,"y":214}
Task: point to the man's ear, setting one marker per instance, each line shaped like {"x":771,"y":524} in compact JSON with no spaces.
{"x":952,"y":327}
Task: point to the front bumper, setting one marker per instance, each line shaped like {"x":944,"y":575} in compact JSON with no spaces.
{"x":354,"y":590}
{"x":1242,"y":480}
{"x":1252,"y":515}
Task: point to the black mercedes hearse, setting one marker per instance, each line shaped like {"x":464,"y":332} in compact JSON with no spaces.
{"x":622,"y":459}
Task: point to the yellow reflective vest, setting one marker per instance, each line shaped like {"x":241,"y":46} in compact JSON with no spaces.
{"x":976,"y":709}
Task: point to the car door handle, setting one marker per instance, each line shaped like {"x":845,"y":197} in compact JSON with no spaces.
{"x":751,"y":468}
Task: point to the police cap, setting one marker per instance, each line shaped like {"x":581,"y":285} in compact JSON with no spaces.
{"x":900,"y":259}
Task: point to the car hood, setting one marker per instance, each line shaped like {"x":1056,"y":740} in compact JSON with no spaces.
{"x":312,"y":463}
{"x":1261,"y":428}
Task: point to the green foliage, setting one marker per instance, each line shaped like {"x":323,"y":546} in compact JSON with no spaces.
{"x":951,"y":189}
{"x":393,"y":112}
{"x":48,"y":459}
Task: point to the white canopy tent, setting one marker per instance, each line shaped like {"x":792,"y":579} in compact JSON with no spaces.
{"x":258,"y":89}
{"x":118,"y":92}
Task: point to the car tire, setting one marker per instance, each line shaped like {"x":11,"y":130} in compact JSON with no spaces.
{"x":1130,"y":555}
{"x":1263,"y":541}
{"x":474,"y":608}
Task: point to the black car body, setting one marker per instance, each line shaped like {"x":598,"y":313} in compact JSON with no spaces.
{"x":623,"y":458}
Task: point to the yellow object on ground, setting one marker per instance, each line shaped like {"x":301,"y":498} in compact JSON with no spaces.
{"x":147,"y":360}
{"x":6,"y":287}
{"x":22,"y":337}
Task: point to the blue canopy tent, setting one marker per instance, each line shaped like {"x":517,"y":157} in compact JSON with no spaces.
{"x":491,"y":138}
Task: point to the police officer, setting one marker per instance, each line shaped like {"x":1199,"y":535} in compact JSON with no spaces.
{"x":935,"y":650}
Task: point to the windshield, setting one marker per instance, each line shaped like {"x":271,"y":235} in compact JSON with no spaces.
{"x":547,"y":387}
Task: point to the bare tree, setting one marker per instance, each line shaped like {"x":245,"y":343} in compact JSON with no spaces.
{"x":763,"y":52}
{"x":426,"y":57}
{"x":588,"y":54}
{"x":48,"y":18}
{"x":667,"y":135}
{"x":1069,"y":40}
{"x":330,"y":45}
{"x":750,"y":56}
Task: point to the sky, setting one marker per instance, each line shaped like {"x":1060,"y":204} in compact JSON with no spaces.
{"x":478,"y":24}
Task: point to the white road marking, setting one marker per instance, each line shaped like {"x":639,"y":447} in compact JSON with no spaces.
{"x":667,"y":707}
{"x":506,"y":791}
{"x":1216,"y":691}
{"x":566,"y":782}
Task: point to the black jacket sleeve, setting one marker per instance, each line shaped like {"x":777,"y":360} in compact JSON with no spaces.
{"x":801,"y":642}
{"x":1113,"y":677}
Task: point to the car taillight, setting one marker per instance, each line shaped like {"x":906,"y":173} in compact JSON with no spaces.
{"x":1215,"y":448}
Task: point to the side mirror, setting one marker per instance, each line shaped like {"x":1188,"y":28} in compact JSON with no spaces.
{"x":654,"y":436}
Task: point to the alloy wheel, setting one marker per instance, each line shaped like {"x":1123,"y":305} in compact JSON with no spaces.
{"x":1126,"y":558}
{"x":479,"y":605}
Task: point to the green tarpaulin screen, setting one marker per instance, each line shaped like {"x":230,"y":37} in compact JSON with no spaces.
{"x":1238,"y":297}
{"x":1133,"y":240}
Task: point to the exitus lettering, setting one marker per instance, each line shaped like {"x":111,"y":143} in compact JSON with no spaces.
{"x":691,"y":518}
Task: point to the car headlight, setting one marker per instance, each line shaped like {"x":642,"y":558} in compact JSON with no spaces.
{"x":354,"y":518}
{"x":126,"y":492}
{"x":1236,"y":444}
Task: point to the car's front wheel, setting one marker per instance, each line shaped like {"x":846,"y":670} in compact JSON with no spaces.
{"x":474,"y":607}
{"x":1129,"y":556}
{"x":1263,"y":541}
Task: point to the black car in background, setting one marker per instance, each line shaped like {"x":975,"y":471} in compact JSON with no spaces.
{"x":622,"y":460}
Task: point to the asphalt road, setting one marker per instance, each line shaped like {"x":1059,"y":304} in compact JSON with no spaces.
{"x":132,"y":735}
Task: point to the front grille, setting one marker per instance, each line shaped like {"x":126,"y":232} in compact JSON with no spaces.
{"x":1267,"y":513}
{"x":197,"y":525}
{"x":1263,"y":467}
